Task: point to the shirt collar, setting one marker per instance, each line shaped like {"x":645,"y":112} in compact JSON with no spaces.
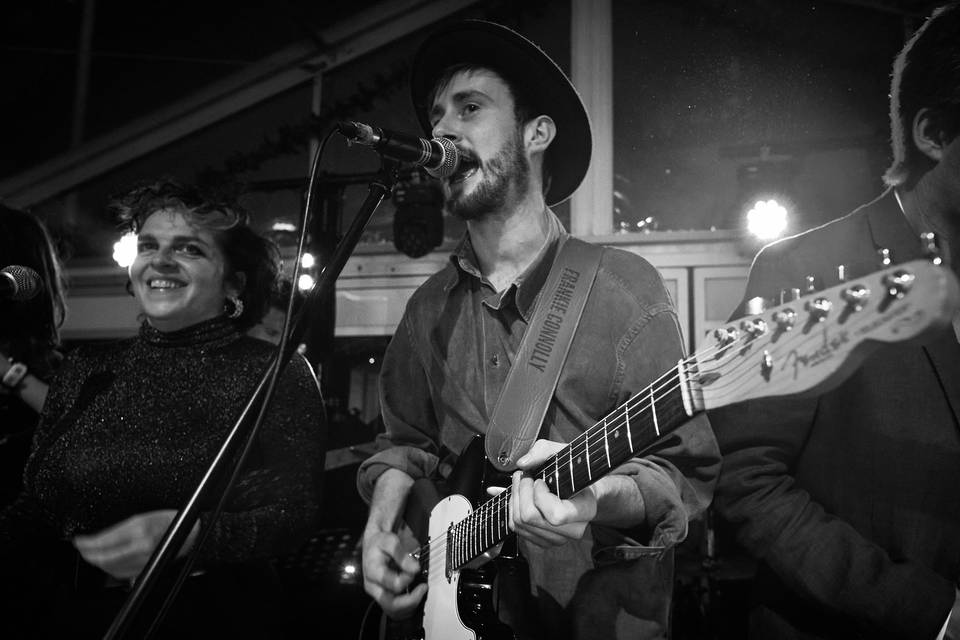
{"x":529,"y":283}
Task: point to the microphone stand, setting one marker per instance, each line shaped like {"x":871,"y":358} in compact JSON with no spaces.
{"x":244,"y":430}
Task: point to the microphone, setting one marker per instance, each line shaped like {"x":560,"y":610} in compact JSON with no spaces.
{"x":439,"y":156}
{"x":18,"y":283}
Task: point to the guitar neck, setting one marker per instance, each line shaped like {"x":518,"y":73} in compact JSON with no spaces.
{"x":803,"y":346}
{"x":624,"y":433}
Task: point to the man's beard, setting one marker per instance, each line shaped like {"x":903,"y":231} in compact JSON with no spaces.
{"x":509,"y":168}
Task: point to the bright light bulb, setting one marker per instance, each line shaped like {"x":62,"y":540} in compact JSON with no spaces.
{"x":767,"y":220}
{"x":307,"y":261}
{"x":305,"y":282}
{"x":125,"y":250}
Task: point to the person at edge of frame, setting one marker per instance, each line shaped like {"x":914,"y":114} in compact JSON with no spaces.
{"x":849,"y":499}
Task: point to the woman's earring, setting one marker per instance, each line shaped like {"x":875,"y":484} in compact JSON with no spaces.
{"x":237,"y":305}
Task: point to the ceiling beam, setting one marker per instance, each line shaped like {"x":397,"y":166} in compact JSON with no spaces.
{"x":288,"y":68}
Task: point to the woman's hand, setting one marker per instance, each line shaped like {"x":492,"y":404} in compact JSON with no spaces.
{"x":124,"y":549}
{"x":31,"y":390}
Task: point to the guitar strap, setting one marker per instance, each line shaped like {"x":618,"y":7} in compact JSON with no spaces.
{"x":526,"y":394}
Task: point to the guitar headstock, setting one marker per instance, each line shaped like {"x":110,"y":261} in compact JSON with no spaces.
{"x":810,"y":344}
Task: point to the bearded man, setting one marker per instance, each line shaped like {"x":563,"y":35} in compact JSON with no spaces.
{"x":600,"y":563}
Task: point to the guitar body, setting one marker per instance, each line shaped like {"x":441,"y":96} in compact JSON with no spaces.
{"x":461,"y":604}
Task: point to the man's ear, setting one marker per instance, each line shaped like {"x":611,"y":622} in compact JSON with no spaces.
{"x":928,"y":135}
{"x":539,"y":133}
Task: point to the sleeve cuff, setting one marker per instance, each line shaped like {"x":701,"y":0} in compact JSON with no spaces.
{"x":665,"y":517}
{"x":415,"y":462}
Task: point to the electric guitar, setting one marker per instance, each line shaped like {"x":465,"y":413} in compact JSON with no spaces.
{"x":802,"y":347}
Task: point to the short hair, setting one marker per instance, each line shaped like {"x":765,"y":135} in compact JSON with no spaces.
{"x":926,"y":75}
{"x":245,"y":251}
{"x":31,"y":327}
{"x":524,"y":106}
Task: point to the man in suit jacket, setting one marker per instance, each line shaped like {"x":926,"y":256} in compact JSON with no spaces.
{"x":851,"y":501}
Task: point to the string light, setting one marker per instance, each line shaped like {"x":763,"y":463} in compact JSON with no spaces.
{"x":305,"y":282}
{"x":125,"y":250}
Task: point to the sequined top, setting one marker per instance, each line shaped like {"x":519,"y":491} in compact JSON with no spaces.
{"x":131,"y":427}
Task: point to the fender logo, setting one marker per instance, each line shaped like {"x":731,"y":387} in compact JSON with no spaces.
{"x":825,"y":351}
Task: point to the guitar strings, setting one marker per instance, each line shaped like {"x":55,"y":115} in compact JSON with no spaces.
{"x":646,"y":399}
{"x":495,"y":507}
{"x":498,"y":504}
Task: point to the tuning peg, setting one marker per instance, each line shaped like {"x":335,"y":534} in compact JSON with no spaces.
{"x":856,"y":296}
{"x":789,"y":295}
{"x":898,"y":283}
{"x":753,"y":327}
{"x":930,"y":245}
{"x":726,"y":335}
{"x":785,"y":319}
{"x":819,"y":308}
{"x":886,"y":259}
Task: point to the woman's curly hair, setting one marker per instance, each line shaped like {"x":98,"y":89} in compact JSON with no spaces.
{"x":245,"y":251}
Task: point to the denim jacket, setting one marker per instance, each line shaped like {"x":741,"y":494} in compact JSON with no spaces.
{"x":442,"y":375}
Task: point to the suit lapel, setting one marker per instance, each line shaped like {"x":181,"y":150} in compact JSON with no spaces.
{"x":944,"y":356}
{"x":890,"y":230}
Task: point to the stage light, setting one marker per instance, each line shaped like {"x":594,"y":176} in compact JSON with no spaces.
{"x":349,"y":573}
{"x":307,"y":261}
{"x":767,"y":220}
{"x":305,"y":283}
{"x":125,"y":250}
{"x":283,"y":227}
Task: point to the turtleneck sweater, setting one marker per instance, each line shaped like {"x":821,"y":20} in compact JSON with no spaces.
{"x":131,"y":427}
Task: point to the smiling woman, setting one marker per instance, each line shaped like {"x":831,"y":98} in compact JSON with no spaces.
{"x":178,"y":274}
{"x":129,"y":429}
{"x":196,"y":257}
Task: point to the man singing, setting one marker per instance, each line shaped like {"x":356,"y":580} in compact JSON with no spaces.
{"x":599,"y":563}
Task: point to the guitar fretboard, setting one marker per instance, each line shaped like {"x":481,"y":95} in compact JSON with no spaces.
{"x":626,"y":431}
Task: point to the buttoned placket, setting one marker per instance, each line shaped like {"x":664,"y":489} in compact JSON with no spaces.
{"x":494,"y":348}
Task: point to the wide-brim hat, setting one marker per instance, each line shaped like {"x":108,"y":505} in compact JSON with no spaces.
{"x":522,"y":62}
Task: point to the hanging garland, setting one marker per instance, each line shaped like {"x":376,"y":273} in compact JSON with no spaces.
{"x":291,"y":139}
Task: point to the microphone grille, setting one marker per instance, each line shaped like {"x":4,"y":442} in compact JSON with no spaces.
{"x":449,"y":159}
{"x":26,"y":281}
